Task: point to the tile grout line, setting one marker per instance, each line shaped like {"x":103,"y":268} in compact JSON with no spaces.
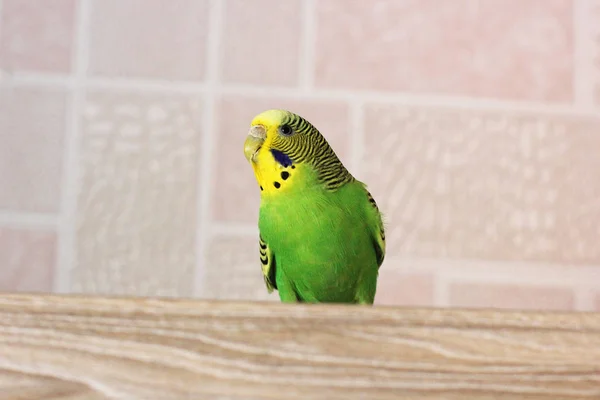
{"x":234,"y":229}
{"x":30,"y":220}
{"x":204,"y":172}
{"x":594,"y":13}
{"x":3,"y":73}
{"x":410,"y":99}
{"x":67,"y":229}
{"x":184,"y":87}
{"x":583,"y":72}
{"x":348,"y":95}
{"x":1,"y":9}
{"x":307,"y":46}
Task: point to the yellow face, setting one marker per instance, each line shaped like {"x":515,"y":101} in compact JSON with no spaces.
{"x":274,"y":171}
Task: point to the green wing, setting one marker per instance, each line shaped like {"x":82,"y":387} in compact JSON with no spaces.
{"x":379,"y":233}
{"x":267,"y":261}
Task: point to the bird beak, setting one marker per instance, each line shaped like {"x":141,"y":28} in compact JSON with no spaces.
{"x":254,"y":141}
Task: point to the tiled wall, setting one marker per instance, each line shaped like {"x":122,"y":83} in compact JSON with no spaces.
{"x":476,"y":125}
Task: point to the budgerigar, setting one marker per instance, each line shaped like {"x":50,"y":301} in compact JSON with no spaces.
{"x":321,"y":234}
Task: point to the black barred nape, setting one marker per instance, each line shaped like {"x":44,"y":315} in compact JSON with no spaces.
{"x":307,"y":145}
{"x":374,"y":204}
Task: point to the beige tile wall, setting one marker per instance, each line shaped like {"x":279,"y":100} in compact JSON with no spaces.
{"x":476,"y":124}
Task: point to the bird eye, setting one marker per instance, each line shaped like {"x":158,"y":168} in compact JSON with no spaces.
{"x":285,"y":130}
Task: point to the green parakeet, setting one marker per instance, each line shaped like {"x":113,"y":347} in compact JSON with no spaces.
{"x":321,"y":234}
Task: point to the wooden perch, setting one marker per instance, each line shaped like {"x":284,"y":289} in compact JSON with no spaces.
{"x":71,"y":347}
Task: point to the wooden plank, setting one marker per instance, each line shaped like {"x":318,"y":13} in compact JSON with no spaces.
{"x":77,"y":347}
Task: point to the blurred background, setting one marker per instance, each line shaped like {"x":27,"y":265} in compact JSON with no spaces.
{"x":475,"y":124}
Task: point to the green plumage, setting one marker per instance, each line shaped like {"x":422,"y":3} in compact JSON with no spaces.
{"x":321,"y":233}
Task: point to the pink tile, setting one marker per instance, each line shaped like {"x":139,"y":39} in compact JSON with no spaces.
{"x":136,"y":218}
{"x":510,"y":297}
{"x":594,"y":55}
{"x":32,"y":131}
{"x":261,"y":42}
{"x":512,"y":49}
{"x":232,"y":270}
{"x":28,"y":260}
{"x":235,"y":191}
{"x":460,"y":183}
{"x":37,"y":36}
{"x":163,"y":39}
{"x":403,"y":288}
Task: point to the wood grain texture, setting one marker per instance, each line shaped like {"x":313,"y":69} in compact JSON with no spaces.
{"x":71,"y":347}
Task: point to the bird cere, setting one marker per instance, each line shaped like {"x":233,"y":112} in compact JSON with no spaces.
{"x":321,"y":234}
